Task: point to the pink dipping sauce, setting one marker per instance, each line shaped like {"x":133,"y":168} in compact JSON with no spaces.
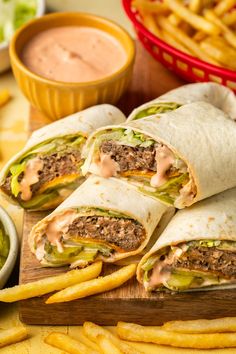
{"x":74,"y":54}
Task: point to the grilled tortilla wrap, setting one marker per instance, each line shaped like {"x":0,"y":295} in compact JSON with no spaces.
{"x":217,"y":95}
{"x":197,"y":250}
{"x":102,"y":219}
{"x":181,"y":158}
{"x":47,"y":170}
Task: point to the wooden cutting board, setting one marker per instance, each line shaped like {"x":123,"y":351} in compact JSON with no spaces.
{"x":130,"y":302}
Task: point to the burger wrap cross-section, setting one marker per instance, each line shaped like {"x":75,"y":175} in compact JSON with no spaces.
{"x":48,"y":168}
{"x":181,"y":158}
{"x":197,"y":250}
{"x":217,"y":95}
{"x":104,"y":219}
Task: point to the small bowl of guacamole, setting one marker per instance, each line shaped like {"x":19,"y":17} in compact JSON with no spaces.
{"x":9,"y":246}
{"x":13,"y":15}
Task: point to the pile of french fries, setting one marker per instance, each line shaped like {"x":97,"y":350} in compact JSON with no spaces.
{"x":202,"y":28}
{"x":196,"y":334}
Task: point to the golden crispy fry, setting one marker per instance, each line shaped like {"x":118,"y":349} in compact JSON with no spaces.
{"x":226,"y":324}
{"x":229,"y":18}
{"x":106,"y":346}
{"x":47,"y":285}
{"x":179,"y":35}
{"x":174,"y":19}
{"x":195,"y":6}
{"x":86,"y":341}
{"x":174,"y":43}
{"x":12,"y":335}
{"x":199,"y":36}
{"x":151,"y":7}
{"x":64,"y":342}
{"x":134,"y":332}
{"x":151,"y":24}
{"x":223,"y":6}
{"x":228,"y":34}
{"x":220,"y":51}
{"x":4,"y":97}
{"x":94,"y":286}
{"x":92,"y":331}
{"x":194,"y":20}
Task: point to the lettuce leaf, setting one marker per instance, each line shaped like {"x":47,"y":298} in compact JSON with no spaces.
{"x":157,"y":108}
{"x":16,"y":170}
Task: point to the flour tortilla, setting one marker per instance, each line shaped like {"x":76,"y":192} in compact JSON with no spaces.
{"x":84,"y":122}
{"x":114,"y":195}
{"x":217,"y":95}
{"x":200,"y":134}
{"x":210,"y":219}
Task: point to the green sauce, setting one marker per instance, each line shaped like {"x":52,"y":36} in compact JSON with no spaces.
{"x":4,"y":245}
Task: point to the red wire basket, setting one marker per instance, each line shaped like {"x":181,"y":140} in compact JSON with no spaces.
{"x":184,"y":65}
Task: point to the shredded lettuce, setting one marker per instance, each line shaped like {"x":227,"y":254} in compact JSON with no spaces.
{"x":157,"y":108}
{"x":38,"y":200}
{"x":13,"y":14}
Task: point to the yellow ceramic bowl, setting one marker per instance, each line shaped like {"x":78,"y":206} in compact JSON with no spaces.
{"x":58,"y":99}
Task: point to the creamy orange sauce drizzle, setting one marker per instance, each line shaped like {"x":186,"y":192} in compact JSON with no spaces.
{"x":58,"y":227}
{"x":31,"y":176}
{"x":164,"y":159}
{"x":74,"y":54}
{"x":107,"y":166}
{"x":162,"y":269}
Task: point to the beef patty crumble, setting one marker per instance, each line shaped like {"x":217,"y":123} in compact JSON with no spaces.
{"x":131,"y":158}
{"x":56,"y":164}
{"x":209,"y":259}
{"x":127,"y":234}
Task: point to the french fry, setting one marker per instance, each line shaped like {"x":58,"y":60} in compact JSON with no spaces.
{"x":229,"y":18}
{"x":223,"y":6}
{"x":228,"y":34}
{"x":47,"y":285}
{"x":12,"y":335}
{"x":89,"y":343}
{"x":106,"y":345}
{"x":218,"y":49}
{"x":226,"y":324}
{"x":184,"y":40}
{"x":174,"y":19}
{"x":195,"y":6}
{"x":151,"y":7}
{"x":94,"y":286}
{"x":64,"y":342}
{"x":196,"y":21}
{"x":92,"y":331}
{"x":4,"y":97}
{"x":134,"y":332}
{"x":174,"y":43}
{"x":199,"y":36}
{"x":151,"y":24}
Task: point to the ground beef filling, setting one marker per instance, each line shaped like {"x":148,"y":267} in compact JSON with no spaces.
{"x":124,"y":233}
{"x":54,"y":165}
{"x":131,"y":158}
{"x":209,"y":259}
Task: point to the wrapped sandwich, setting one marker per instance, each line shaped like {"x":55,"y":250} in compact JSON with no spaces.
{"x":197,"y":250}
{"x":47,"y":170}
{"x":102,"y":219}
{"x":181,"y":158}
{"x":217,"y":95}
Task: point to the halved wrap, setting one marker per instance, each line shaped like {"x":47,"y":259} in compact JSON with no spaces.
{"x":102,"y":219}
{"x":47,"y":169}
{"x":197,"y":250}
{"x":184,"y":156}
{"x":217,"y":95}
